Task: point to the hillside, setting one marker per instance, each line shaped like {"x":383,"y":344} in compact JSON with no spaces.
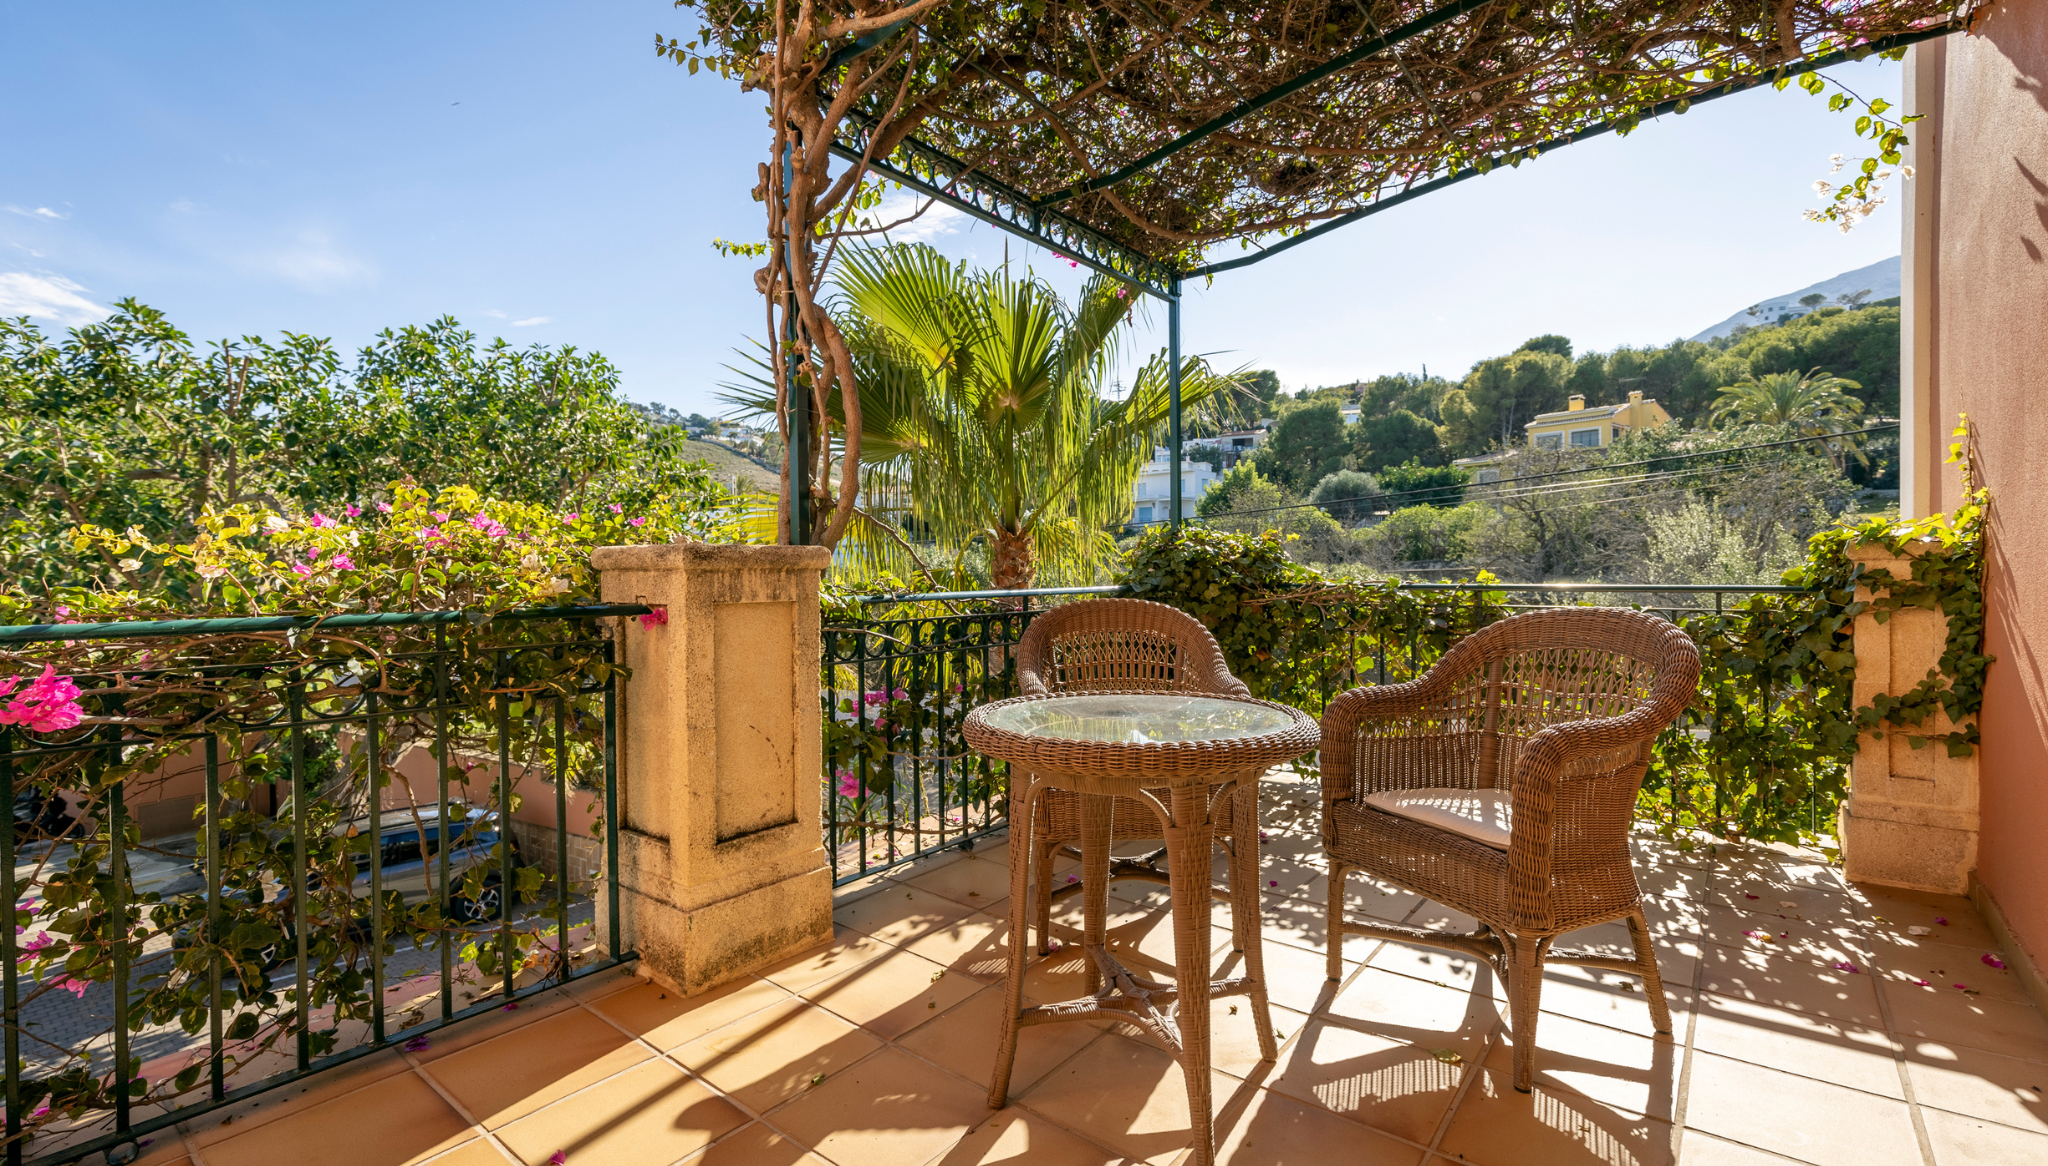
{"x":1880,"y":279}
{"x":726,"y":464}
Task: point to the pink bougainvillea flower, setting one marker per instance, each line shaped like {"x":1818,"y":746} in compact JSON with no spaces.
{"x":637,"y":520}
{"x":901,"y":694}
{"x":47,"y":705}
{"x":352,"y":510}
{"x":77,"y":987}
{"x":440,"y":516}
{"x":1942,"y":920}
{"x":418,"y":1044}
{"x":383,"y":507}
{"x":341,"y":563}
{"x":1073,"y":878}
{"x":301,"y":570}
{"x":1845,"y":966}
{"x":656,"y":618}
{"x":849,"y":783}
{"x":570,"y":517}
{"x":320,"y":520}
{"x":1961,"y":985}
{"x":617,"y":509}
{"x":488,"y":525}
{"x":512,"y":1007}
{"x":1747,"y":895}
{"x":1992,"y":961}
{"x":558,"y":1158}
{"x":1272,"y":882}
{"x":313,"y":554}
{"x":1922,"y":983}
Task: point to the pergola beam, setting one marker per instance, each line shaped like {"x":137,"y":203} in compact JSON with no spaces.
{"x":1731,"y":86}
{"x":1280,"y":92}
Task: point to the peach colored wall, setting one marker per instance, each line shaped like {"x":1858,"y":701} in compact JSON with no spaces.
{"x":1979,"y":229}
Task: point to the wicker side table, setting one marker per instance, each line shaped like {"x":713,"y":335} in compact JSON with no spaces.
{"x":1166,"y":752}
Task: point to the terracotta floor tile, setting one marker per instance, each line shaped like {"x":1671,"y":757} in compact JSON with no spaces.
{"x":888,"y":1110}
{"x":477,"y":1153}
{"x":848,"y":949}
{"x":1233,"y":1037}
{"x":480,"y":1028}
{"x":1980,"y":1084}
{"x":1698,"y":1149}
{"x":971,"y":880}
{"x":1435,"y":965}
{"x":1295,"y":978}
{"x":898,"y":914}
{"x":772,"y":1055}
{"x":1128,"y":1096}
{"x":1618,"y":1069}
{"x":753,"y":1144}
{"x":1015,"y":1136}
{"x":398,"y":1121}
{"x":1402,"y":1089}
{"x":1971,"y":1141}
{"x":894,"y":994}
{"x":267,"y":1107}
{"x":515,"y":1073}
{"x":975,"y":945}
{"x":1496,"y":1126}
{"x":1827,"y":943}
{"x":649,"y":1116}
{"x":1843,"y":1053}
{"x":1810,"y":1120}
{"x":1947,"y":1017}
{"x":1616,"y":999}
{"x":1901,"y":909}
{"x":666,"y":1020}
{"x":1906,"y":959}
{"x":1796,"y":983}
{"x":1262,"y":1128}
{"x":1411,"y":1011}
{"x":964,"y":1042}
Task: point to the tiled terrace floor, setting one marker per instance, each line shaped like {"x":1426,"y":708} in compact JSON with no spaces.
{"x":1819,"y":1045}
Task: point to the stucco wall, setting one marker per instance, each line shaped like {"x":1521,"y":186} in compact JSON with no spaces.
{"x":1977,"y":302}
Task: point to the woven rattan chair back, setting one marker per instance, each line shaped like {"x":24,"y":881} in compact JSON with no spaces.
{"x":1558,"y":709}
{"x":1121,"y":645}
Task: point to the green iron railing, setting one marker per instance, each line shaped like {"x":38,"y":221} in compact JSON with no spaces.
{"x":300,"y":732}
{"x":901,"y":783}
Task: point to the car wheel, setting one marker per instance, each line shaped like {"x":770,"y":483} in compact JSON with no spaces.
{"x":482,"y":909}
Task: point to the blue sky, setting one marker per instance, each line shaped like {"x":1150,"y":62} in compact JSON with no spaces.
{"x":534,"y":170}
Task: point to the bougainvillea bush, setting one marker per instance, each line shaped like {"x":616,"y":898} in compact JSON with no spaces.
{"x":288,"y":714}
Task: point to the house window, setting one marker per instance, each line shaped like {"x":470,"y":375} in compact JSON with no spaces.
{"x":1550,"y":441}
{"x":1144,"y":514}
{"x":1582,"y":438}
{"x":1141,"y":488}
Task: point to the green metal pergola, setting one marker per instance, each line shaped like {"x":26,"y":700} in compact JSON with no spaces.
{"x":1038,"y":218}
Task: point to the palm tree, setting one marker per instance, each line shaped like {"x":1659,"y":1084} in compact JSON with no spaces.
{"x":983,"y":394}
{"x":1813,"y":405}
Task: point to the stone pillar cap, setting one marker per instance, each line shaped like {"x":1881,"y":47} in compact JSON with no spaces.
{"x":707,"y":556}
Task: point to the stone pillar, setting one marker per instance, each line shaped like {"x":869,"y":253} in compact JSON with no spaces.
{"x":722,"y":865}
{"x":1911,"y":816}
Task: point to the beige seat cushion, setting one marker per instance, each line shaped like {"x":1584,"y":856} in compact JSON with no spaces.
{"x":1483,"y":815}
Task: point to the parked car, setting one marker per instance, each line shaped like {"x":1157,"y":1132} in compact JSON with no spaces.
{"x":410,"y":846}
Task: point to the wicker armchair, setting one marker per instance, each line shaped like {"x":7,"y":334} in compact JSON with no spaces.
{"x":1113,"y":645}
{"x":1502,"y":784}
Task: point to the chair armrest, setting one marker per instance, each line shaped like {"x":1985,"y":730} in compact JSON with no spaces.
{"x":1384,"y":704}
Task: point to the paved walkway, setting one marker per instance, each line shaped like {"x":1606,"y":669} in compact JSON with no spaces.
{"x":1804,"y":1034}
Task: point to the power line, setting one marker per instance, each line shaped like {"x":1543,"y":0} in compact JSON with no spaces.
{"x":1500,"y":491}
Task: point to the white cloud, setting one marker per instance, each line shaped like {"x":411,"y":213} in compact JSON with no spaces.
{"x":494,"y":313}
{"x":41,"y":212}
{"x":313,"y":262}
{"x":937,"y":221}
{"x":50,"y":297}
{"x":530,"y":321}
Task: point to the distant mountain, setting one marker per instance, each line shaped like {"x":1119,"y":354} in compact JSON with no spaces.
{"x":1880,"y":279}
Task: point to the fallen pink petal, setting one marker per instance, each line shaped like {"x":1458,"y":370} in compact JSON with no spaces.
{"x":1941,"y":920}
{"x":1993,"y":961}
{"x":558,"y":1158}
{"x":1844,"y":966}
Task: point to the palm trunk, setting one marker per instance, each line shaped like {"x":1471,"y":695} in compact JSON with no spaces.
{"x":1011,"y":567}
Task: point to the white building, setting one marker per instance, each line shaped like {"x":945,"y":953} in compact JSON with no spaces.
{"x":1149,"y":502}
{"x":1236,"y":445}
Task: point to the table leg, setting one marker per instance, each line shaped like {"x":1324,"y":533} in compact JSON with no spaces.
{"x":1096,"y":811}
{"x":1245,"y":915}
{"x":1021,"y":849}
{"x":1189,"y":857}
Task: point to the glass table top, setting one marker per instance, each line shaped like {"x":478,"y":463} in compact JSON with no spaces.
{"x":1138,"y":719}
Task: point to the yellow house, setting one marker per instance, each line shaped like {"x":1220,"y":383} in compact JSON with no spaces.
{"x":1578,"y":427}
